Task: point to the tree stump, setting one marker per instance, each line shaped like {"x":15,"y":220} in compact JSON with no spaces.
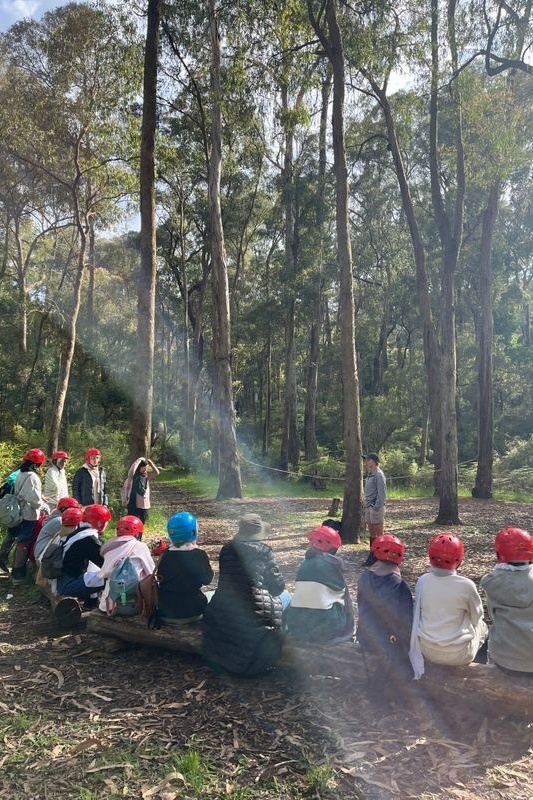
{"x":334,"y":507}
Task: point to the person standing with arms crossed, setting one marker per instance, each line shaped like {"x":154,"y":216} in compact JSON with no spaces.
{"x":374,"y":500}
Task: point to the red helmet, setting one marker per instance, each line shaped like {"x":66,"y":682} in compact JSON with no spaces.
{"x":34,"y":455}
{"x":92,"y":451}
{"x":388,"y":548}
{"x":446,"y":551}
{"x":513,"y":544}
{"x":58,"y":454}
{"x":67,"y":502}
{"x":97,"y":516}
{"x":71,"y":517}
{"x":129,"y":526}
{"x":324,"y":538}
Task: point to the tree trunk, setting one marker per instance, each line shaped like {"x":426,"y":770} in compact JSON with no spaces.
{"x":310,"y":443}
{"x":21,"y":282}
{"x":141,"y":428}
{"x":229,"y":473}
{"x":70,"y":336}
{"x":290,"y":448}
{"x":352,"y":498}
{"x":450,"y":227}
{"x":483,"y":484}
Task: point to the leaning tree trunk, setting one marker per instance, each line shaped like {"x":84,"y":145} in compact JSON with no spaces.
{"x":229,"y":473}
{"x":483,"y":484}
{"x":141,"y":427}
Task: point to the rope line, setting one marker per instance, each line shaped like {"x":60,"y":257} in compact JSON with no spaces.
{"x":390,"y":478}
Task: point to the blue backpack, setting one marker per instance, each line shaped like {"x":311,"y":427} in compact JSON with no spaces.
{"x":123,"y":582}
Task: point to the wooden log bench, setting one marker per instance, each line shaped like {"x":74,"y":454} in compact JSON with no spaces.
{"x":478,"y":685}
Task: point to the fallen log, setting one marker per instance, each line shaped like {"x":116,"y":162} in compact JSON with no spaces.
{"x":479,"y":685}
{"x":66,"y":610}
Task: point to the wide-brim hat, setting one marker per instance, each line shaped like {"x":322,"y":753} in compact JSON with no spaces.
{"x":252,"y":527}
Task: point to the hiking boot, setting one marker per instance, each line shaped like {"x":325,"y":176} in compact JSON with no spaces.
{"x":18,"y":575}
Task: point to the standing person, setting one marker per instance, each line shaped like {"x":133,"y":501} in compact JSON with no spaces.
{"x":28,"y":491}
{"x":321,"y":609}
{"x":137,"y":487}
{"x":242,"y":625}
{"x":374,"y":500}
{"x":89,"y":481}
{"x":448,"y":626}
{"x":509,"y":590}
{"x":55,"y":479}
{"x":385,"y":607}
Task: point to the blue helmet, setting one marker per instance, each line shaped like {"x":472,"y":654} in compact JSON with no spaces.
{"x":182,"y":527}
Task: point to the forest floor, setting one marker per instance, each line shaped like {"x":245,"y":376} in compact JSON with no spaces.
{"x":78,"y":723}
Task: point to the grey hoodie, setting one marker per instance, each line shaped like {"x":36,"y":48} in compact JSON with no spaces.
{"x":510,"y":605}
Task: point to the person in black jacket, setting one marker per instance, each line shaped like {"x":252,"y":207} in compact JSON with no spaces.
{"x":242,"y":625}
{"x":183,"y":569}
{"x":89,"y":484}
{"x":81,"y":555}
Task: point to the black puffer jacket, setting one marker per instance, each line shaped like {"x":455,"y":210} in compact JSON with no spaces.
{"x":242,"y":623}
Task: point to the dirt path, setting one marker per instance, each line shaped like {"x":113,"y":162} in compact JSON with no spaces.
{"x":80,"y":723}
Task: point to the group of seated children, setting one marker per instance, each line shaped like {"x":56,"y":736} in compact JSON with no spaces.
{"x":246,"y":618}
{"x":445,"y":625}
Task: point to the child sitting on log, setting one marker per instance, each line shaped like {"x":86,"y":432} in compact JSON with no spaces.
{"x":448,"y":626}
{"x":182,"y":571}
{"x":321,"y":609}
{"x":126,"y":545}
{"x":385,"y":613}
{"x":52,"y":526}
{"x":81,"y":556}
{"x":242,"y":625}
{"x":509,"y":591}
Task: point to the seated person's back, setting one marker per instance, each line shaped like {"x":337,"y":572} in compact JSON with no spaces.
{"x":385,"y":611}
{"x":81,"y":554}
{"x":321,"y":609}
{"x":509,"y":591}
{"x":242,"y":623}
{"x":183,"y":569}
{"x":448,"y":626}
{"x":120,"y":593}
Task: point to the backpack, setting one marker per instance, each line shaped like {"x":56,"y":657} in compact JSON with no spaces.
{"x":123,"y":582}
{"x":52,"y":560}
{"x":148,"y":599}
{"x":10,"y":512}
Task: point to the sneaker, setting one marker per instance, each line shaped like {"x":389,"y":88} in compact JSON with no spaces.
{"x":3,"y":566}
